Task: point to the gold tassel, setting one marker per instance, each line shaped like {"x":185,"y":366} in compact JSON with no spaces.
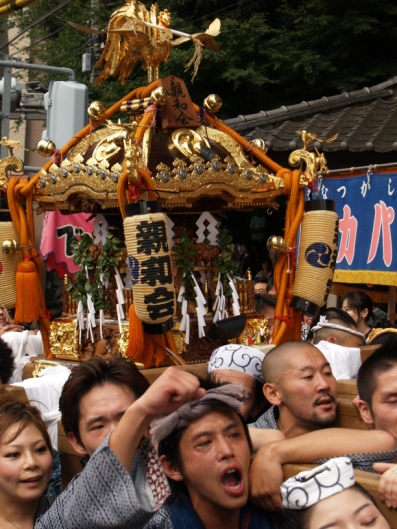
{"x":196,"y":59}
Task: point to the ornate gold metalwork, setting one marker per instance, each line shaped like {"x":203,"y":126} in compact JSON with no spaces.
{"x":11,"y":163}
{"x":235,"y":180}
{"x":93,"y":180}
{"x":135,"y":33}
{"x":179,"y":339}
{"x":129,"y":40}
{"x":11,"y":145}
{"x":122,"y":340}
{"x":64,"y":340}
{"x":96,"y":110}
{"x":110,"y":147}
{"x":314,"y":162}
{"x":39,"y":365}
{"x":309,"y":137}
{"x":212,"y":103}
{"x":188,"y":142}
{"x":96,"y":136}
{"x":60,"y":187}
{"x":46,"y":148}
{"x":131,"y":153}
{"x":254,"y":329}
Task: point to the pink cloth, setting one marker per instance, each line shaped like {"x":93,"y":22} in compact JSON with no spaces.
{"x":58,"y":232}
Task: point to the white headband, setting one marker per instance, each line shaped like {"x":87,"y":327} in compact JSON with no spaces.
{"x":325,"y":323}
{"x":312,"y":486}
{"x":239,"y":358}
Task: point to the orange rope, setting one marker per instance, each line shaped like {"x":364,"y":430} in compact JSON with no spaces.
{"x":122,"y":190}
{"x":282,"y":280}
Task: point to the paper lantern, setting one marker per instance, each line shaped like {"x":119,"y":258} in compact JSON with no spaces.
{"x":152,"y":282}
{"x":10,"y":256}
{"x":317,"y":256}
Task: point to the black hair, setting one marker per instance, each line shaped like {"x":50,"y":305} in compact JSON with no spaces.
{"x":334,"y":313}
{"x":269,"y":284}
{"x":300,"y":519}
{"x":360,"y":301}
{"x":263,"y":301}
{"x":170,"y":445}
{"x":7,"y":363}
{"x":90,"y":374}
{"x":381,"y":361}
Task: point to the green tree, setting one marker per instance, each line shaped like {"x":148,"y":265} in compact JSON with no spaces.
{"x":273,"y":52}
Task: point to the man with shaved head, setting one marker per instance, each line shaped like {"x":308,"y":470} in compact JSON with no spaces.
{"x":301,"y":388}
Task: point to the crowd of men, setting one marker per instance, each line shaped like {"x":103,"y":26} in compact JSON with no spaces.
{"x":217,"y":446}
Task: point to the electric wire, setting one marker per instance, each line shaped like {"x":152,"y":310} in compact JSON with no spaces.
{"x":51,"y":12}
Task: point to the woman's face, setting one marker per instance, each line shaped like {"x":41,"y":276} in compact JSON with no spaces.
{"x":25,"y":465}
{"x":355,"y":314}
{"x":349,"y":509}
{"x":347,"y":308}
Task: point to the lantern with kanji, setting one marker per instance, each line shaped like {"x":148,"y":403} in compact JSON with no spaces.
{"x":317,"y":256}
{"x":152,"y":282}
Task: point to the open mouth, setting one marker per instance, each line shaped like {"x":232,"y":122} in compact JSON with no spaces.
{"x":232,"y":482}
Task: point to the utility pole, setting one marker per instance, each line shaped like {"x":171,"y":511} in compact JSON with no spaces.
{"x":6,"y":108}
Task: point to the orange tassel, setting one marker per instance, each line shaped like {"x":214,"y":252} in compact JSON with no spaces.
{"x":147,"y":358}
{"x":27,"y":288}
{"x":159,"y":353}
{"x":136,"y":340}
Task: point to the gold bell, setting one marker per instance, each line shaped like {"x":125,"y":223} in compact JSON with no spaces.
{"x":10,"y":246}
{"x":96,"y":111}
{"x":160,"y":95}
{"x":212,"y":103}
{"x":260,"y":144}
{"x":276,"y":244}
{"x":46,"y":148}
{"x":15,"y":246}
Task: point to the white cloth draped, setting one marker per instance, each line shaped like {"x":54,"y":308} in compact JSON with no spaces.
{"x":345,"y":361}
{"x":44,"y":392}
{"x":23,"y":345}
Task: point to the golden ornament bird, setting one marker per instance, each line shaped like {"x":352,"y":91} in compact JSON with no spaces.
{"x":135,"y":33}
{"x":309,"y":137}
{"x":11,"y":145}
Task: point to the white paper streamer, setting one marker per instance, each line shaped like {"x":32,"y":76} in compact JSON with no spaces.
{"x":120,"y":299}
{"x":101,"y":321}
{"x":236,"y":303}
{"x":119,"y":283}
{"x":120,"y":316}
{"x":187,"y":331}
{"x":198,"y":292}
{"x":220,"y":302}
{"x":181,"y":292}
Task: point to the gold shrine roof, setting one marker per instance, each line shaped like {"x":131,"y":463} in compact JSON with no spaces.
{"x":180,"y":180}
